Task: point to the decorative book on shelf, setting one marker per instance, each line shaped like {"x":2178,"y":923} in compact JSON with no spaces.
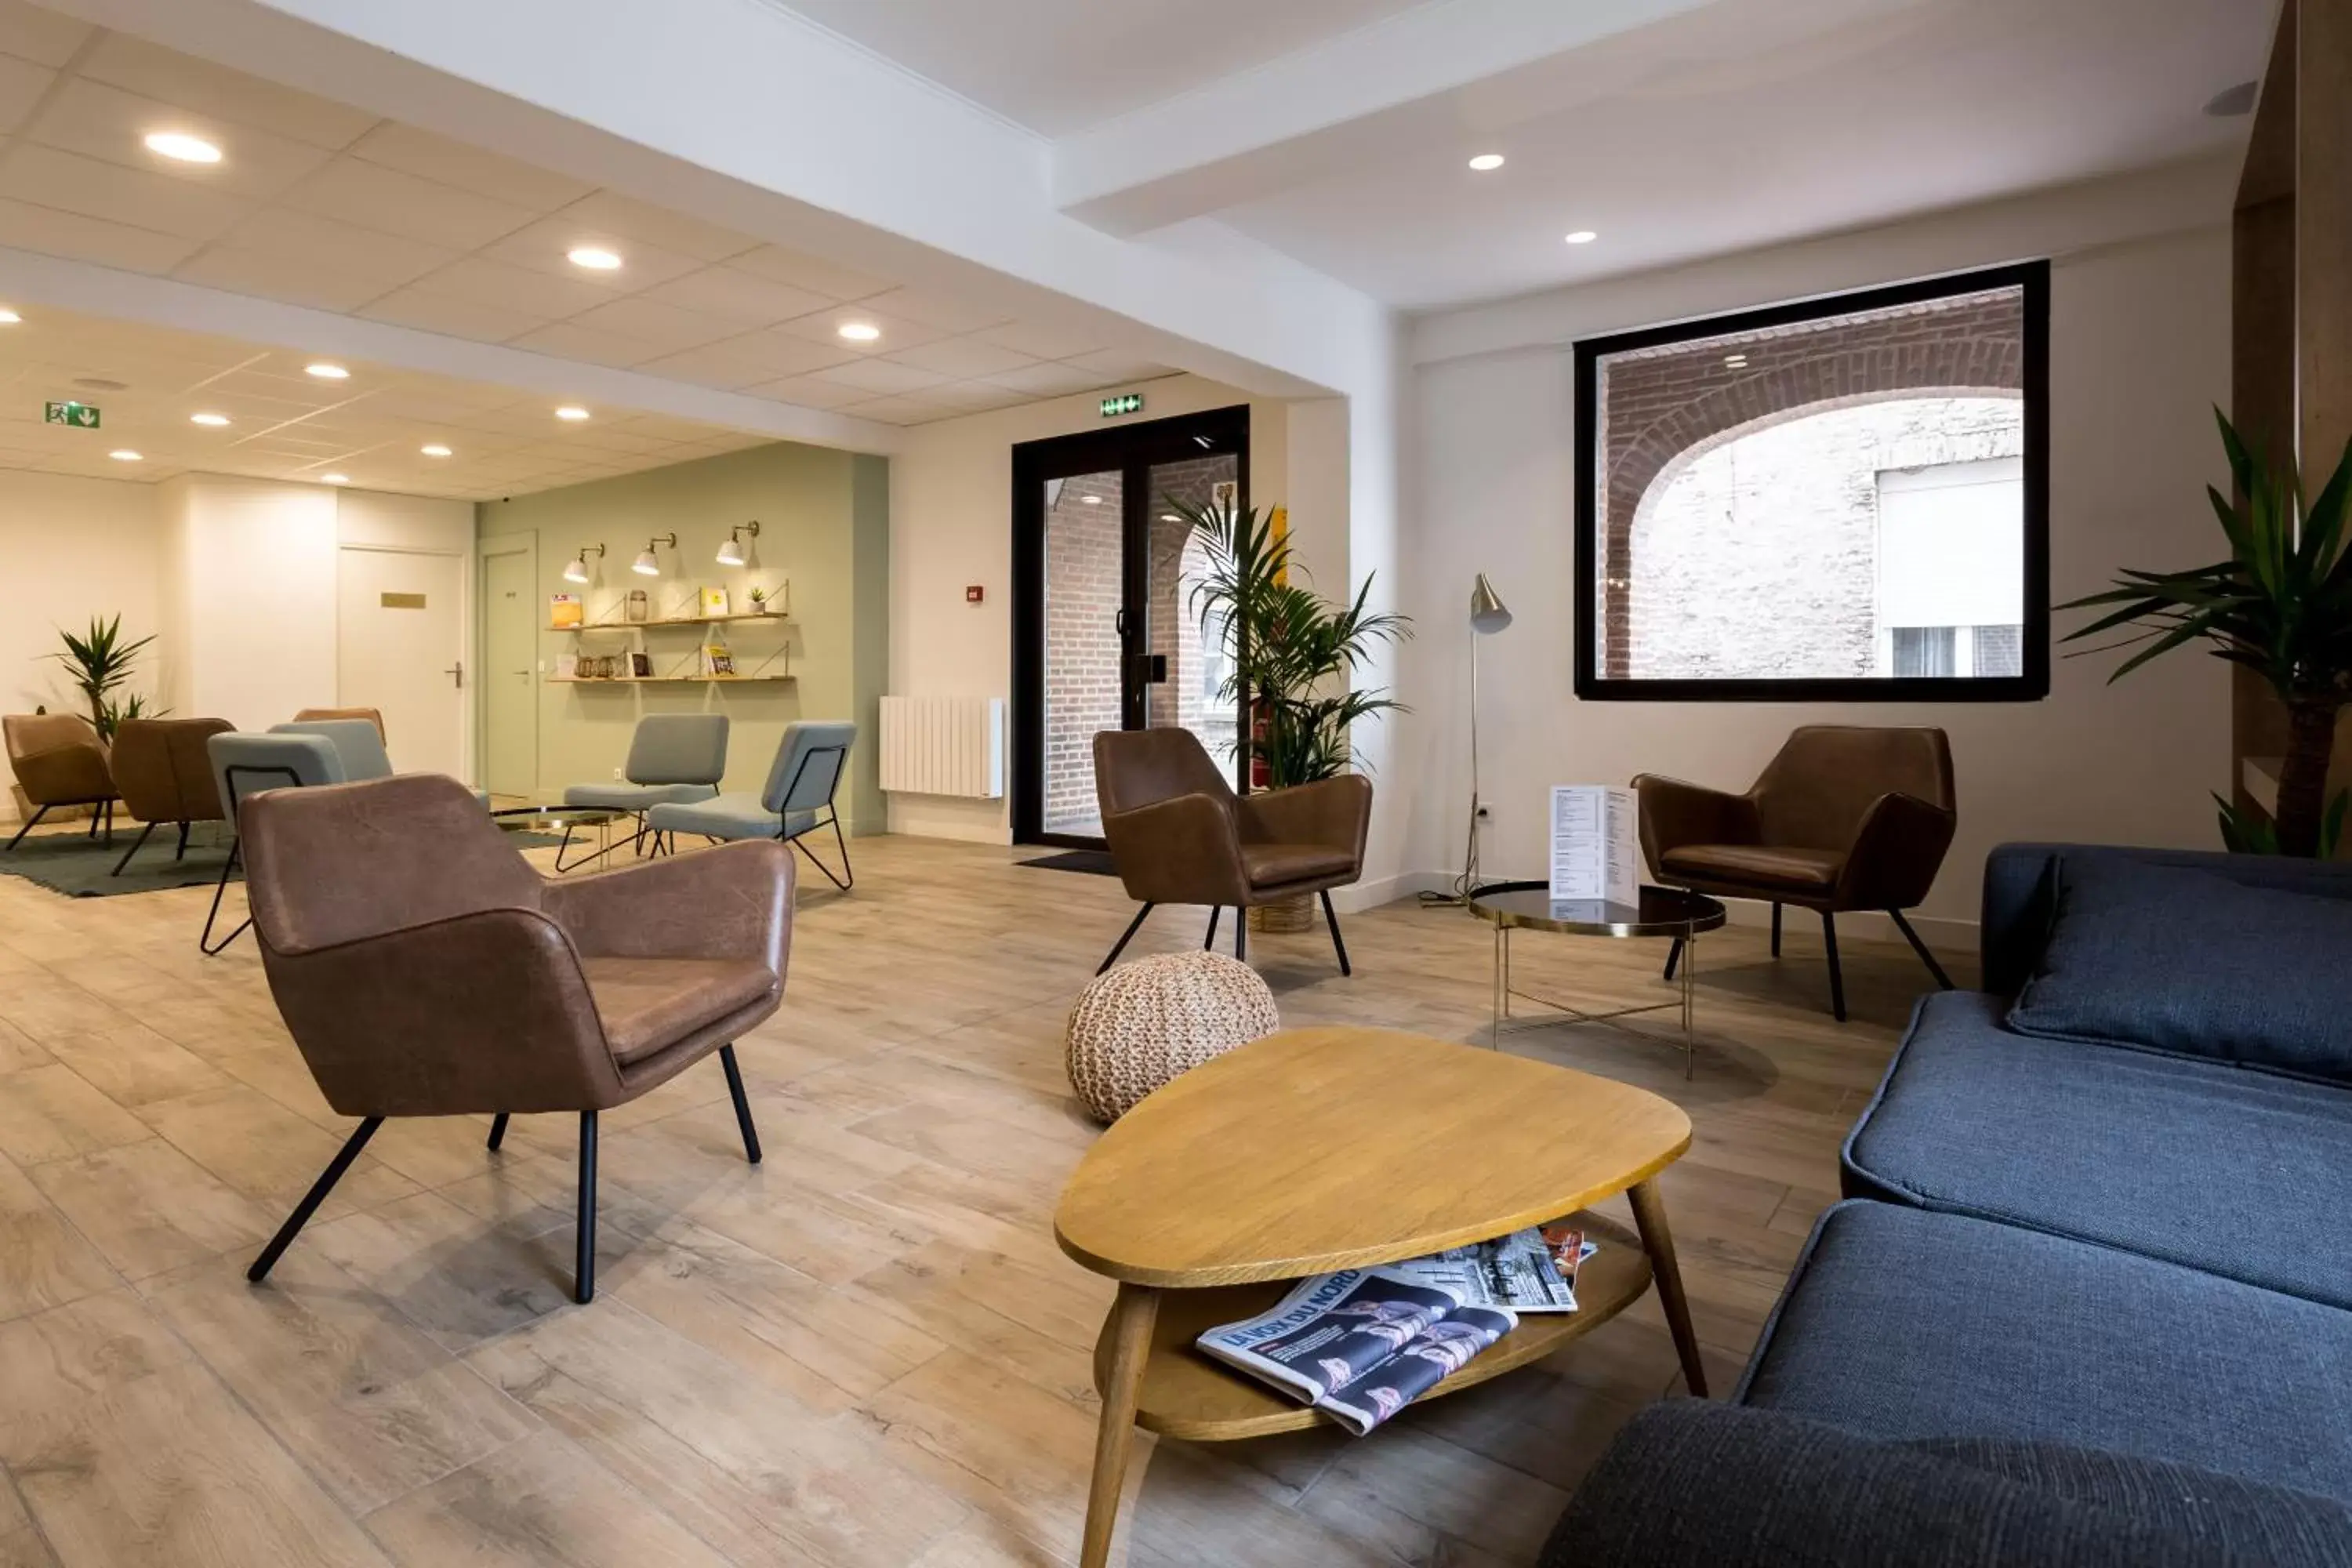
{"x":564,"y":611}
{"x":714,"y":602}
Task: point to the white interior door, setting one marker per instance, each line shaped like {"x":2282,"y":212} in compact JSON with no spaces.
{"x":400,"y":650}
{"x":510,"y":684}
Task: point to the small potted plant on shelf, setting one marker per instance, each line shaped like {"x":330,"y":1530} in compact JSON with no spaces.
{"x":759,"y":601}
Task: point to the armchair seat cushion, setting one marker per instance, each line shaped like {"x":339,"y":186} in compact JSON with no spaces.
{"x":647,"y":1005}
{"x":729,"y":816}
{"x":1273,"y":865}
{"x":636,"y":797}
{"x":1757,"y":865}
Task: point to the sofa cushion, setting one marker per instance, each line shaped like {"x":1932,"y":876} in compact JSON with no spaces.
{"x":647,"y":1005}
{"x":2232,"y":1172}
{"x":1758,"y":865}
{"x":2186,"y":961}
{"x":1798,"y":1494}
{"x":1904,"y":1325}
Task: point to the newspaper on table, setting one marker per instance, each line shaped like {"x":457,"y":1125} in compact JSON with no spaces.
{"x":1361,"y":1344}
{"x":1531,"y":1270}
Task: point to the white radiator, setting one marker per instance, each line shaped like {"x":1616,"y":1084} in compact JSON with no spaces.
{"x":944,"y":746}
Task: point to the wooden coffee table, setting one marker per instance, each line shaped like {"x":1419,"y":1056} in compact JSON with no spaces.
{"x":1313,"y":1150}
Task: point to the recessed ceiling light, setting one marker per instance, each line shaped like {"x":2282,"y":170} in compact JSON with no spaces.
{"x":1735,"y":362}
{"x":326,"y":372}
{"x":182,"y":147}
{"x":125,"y":455}
{"x":1486,"y":161}
{"x":1583,"y":236}
{"x":860,"y":331}
{"x":1169,"y":517}
{"x":335,"y":479}
{"x":213,"y":419}
{"x":570,"y":411}
{"x":9,"y":317}
{"x":434,"y":450}
{"x":1091,"y":501}
{"x":594,"y":258}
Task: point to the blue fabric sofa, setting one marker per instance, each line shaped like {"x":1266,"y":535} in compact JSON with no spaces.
{"x":2088,"y":1300}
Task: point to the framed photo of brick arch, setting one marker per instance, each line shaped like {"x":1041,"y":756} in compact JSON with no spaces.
{"x":1842,"y":499}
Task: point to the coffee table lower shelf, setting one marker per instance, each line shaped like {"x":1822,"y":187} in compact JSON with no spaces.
{"x":1185,"y":1394}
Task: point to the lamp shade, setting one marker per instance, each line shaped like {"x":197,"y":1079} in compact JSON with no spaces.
{"x":731,"y":552}
{"x":1488,"y":614}
{"x":575,"y":570}
{"x":645,"y":566}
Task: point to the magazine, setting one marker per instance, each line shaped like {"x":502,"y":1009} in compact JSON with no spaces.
{"x":1531,"y":1270}
{"x":1359,"y":1344}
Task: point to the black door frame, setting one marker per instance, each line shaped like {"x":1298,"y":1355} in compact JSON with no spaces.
{"x":1132,"y":450}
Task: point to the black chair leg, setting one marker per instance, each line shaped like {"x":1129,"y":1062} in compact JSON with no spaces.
{"x":584,"y":1257}
{"x":1125,"y":936}
{"x":205,"y":944}
{"x":312,"y":1199}
{"x":1332,"y":918}
{"x":1776,"y":931}
{"x":497,"y":1130}
{"x":1837,"y":976}
{"x":97,"y":816}
{"x":1920,"y":948}
{"x":1209,"y":943}
{"x":135,"y":844}
{"x":742,"y":1103}
{"x":29,"y":823}
{"x":181,"y":853}
{"x":848,"y":878}
{"x":1240,"y":933}
{"x":1673,"y":958}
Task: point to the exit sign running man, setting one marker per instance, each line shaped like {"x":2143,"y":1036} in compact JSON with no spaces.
{"x":81,"y":416}
{"x":1132,"y":402}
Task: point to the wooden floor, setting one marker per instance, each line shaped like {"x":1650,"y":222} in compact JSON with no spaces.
{"x":865,"y":1351}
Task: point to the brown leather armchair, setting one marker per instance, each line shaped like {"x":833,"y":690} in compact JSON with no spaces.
{"x":316,"y":715}
{"x":164,"y":774}
{"x":1843,"y":818}
{"x":1178,"y":834}
{"x":424,"y":969}
{"x":60,"y":761}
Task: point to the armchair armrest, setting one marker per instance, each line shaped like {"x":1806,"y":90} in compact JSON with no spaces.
{"x":1675,"y":814}
{"x":1896,"y":852}
{"x":1334,"y":811}
{"x":65,"y":776}
{"x":1182,"y":850}
{"x":479,"y":1013}
{"x":734,"y":902}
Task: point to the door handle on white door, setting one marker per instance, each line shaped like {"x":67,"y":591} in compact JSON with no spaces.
{"x":457,"y":673}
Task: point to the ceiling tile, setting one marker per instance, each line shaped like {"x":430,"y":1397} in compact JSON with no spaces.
{"x":882,"y":375}
{"x":468,"y":168}
{"x":566,"y":340}
{"x":544,"y":246}
{"x":109,"y":124}
{"x":76,"y":185}
{"x":1044,"y":342}
{"x":761,"y":355}
{"x":934,"y":309}
{"x":54,"y":233}
{"x":30,"y":33}
{"x":451,"y":318}
{"x":21,"y":85}
{"x":1120,"y":366}
{"x":187,"y":82}
{"x":899,"y":410}
{"x":304,"y":238}
{"x":809,"y":272}
{"x":276,"y":275}
{"x":479,"y":281}
{"x":715,"y":365}
{"x":961,"y":357}
{"x":390,"y":202}
{"x":809,"y":392}
{"x":743,"y":297}
{"x":970,"y":396}
{"x":666,"y":327}
{"x":608,"y":212}
{"x":1050,"y":380}
{"x":824,"y":327}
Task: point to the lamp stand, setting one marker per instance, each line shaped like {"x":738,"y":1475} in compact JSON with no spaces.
{"x":1459,"y":895}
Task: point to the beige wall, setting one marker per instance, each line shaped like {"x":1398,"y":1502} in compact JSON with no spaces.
{"x":823,"y":518}
{"x":2139,"y":348}
{"x":74,"y":547}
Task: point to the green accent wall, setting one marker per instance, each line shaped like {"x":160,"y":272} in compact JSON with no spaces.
{"x":825,"y":528}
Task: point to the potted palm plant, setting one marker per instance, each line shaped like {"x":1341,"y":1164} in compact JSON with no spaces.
{"x":2280,"y":604}
{"x":101,"y":663}
{"x":1292,"y":654}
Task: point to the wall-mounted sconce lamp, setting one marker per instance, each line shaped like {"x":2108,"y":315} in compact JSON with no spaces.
{"x":646,"y":563}
{"x":731,"y":552}
{"x":576,"y":569}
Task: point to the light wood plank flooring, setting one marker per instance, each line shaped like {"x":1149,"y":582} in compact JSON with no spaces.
{"x":865,"y":1351}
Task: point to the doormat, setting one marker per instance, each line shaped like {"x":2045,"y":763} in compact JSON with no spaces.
{"x":1093,"y":862}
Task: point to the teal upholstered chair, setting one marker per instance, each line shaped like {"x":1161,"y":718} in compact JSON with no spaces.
{"x":798,"y":799}
{"x":288,"y":757}
{"x":359,"y":743}
{"x":675,"y":759}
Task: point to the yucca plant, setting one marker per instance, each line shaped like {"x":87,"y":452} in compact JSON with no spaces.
{"x":2280,"y":604}
{"x":1291,"y":650}
{"x":101,"y":663}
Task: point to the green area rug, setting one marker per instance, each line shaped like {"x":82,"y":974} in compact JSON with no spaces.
{"x":78,"y":866}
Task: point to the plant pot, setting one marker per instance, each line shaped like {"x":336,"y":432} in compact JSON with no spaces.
{"x":1290,"y":915}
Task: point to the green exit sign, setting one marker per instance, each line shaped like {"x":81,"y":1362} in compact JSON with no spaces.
{"x":1131,"y":402}
{"x":83,"y":415}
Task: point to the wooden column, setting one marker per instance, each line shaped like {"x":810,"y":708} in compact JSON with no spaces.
{"x":2263,"y":366}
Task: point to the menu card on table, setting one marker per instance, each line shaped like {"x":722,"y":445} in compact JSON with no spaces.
{"x":1593,"y":845}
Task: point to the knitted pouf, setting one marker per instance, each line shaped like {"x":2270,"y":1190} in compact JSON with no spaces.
{"x":1145,"y":1022}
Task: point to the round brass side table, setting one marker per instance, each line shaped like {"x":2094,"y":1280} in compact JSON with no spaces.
{"x":1667,"y":912}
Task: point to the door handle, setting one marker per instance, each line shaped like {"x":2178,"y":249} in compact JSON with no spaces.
{"x":457,"y":673}
{"x":1118,"y":623}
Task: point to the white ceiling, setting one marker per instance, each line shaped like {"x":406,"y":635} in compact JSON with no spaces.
{"x":1929,"y":105}
{"x":1058,"y":66}
{"x":319,"y":204}
{"x":285,"y":423}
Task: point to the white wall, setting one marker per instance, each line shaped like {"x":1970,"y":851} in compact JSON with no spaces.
{"x":254,"y":632}
{"x":74,"y":547}
{"x":2140,"y":354}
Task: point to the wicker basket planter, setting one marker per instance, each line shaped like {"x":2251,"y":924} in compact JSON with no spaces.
{"x":1289,"y":915}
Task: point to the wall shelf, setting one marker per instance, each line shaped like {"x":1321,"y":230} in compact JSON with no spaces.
{"x":672,"y":621}
{"x":665,"y":680}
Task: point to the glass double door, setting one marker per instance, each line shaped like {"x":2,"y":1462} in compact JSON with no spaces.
{"x":1110,"y":629}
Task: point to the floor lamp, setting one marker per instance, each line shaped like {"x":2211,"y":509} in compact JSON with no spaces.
{"x":1488,"y":614}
